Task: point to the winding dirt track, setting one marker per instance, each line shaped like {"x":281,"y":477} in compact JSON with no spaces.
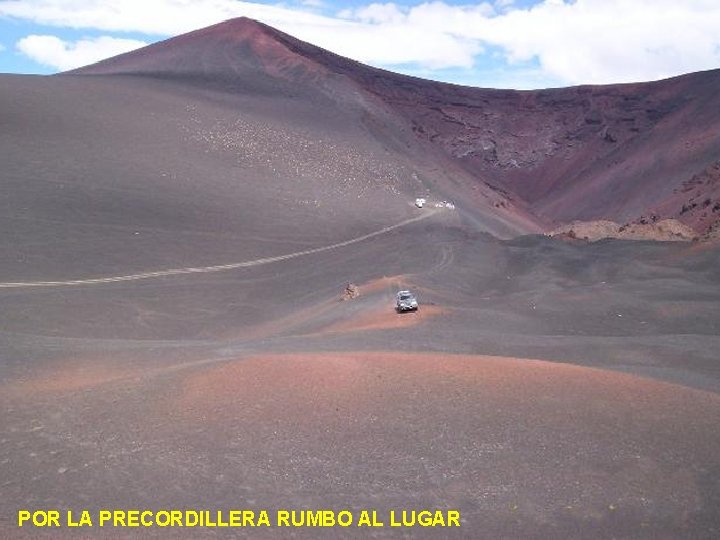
{"x":216,"y":268}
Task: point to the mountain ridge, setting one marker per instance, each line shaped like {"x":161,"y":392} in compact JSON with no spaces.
{"x":585,"y":152}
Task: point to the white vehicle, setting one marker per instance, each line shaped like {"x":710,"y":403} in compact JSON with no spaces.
{"x":445,"y":204}
{"x":420,"y":202}
{"x":406,"y":301}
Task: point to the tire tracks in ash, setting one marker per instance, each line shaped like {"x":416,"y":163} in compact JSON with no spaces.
{"x":216,"y":268}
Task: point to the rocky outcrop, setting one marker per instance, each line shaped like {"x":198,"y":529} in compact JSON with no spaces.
{"x":666,"y":230}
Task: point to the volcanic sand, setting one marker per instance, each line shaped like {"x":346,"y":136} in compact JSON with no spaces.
{"x":257,"y":387}
{"x":523,"y":448}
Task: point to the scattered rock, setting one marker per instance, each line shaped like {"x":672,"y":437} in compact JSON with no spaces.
{"x":653,"y":229}
{"x":607,"y":136}
{"x":713,"y":233}
{"x":351,"y":292}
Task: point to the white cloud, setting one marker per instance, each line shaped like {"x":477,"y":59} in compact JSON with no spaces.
{"x":313,"y":3}
{"x":412,"y":42}
{"x":155,"y":17}
{"x":63,"y":55}
{"x":377,"y":13}
{"x":393,"y":45}
{"x":585,"y":41}
{"x":601,"y":41}
{"x":572,"y":41}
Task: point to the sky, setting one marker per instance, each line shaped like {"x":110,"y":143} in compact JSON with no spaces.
{"x":520,"y":44}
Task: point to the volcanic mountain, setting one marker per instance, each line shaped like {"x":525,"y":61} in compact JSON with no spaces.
{"x":245,"y":59}
{"x":180,"y":225}
{"x":630,"y":152}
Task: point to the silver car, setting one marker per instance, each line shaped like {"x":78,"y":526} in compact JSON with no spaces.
{"x":406,"y":301}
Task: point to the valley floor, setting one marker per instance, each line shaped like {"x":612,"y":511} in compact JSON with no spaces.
{"x":543,"y":389}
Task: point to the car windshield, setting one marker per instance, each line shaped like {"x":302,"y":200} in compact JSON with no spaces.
{"x":405,"y":297}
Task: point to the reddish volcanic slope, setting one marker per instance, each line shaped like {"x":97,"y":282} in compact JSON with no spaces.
{"x":616,"y":152}
{"x":695,"y":202}
{"x":576,"y":153}
{"x":234,"y":51}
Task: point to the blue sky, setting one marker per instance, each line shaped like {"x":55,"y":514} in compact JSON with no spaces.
{"x":496,"y":43}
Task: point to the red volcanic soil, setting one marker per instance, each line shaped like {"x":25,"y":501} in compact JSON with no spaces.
{"x":380,"y":318}
{"x":695,"y":202}
{"x":226,"y":51}
{"x":585,"y":153}
{"x":523,"y":448}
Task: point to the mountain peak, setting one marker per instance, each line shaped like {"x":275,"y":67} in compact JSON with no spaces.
{"x":236,"y":48}
{"x":239,"y":27}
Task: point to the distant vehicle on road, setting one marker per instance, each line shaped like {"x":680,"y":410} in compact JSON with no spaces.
{"x":420,"y":202}
{"x":405,"y":301}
